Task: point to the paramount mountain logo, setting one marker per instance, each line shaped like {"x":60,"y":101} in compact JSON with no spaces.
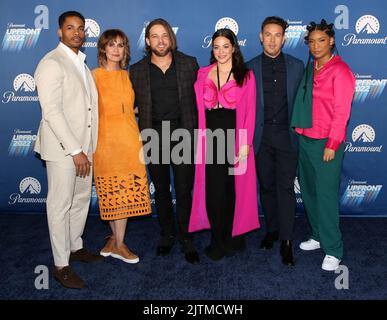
{"x":363,"y":133}
{"x":24,"y":83}
{"x":24,"y":90}
{"x":29,"y":185}
{"x":366,"y":26}
{"x":92,"y":31}
{"x":362,"y":136}
{"x":224,"y":23}
{"x":227,"y":23}
{"x":367,"y":29}
{"x":29,"y":188}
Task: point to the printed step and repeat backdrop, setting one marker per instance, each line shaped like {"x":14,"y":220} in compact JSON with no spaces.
{"x":29,"y":30}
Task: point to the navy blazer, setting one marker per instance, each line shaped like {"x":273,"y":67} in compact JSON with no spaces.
{"x":294,"y":73}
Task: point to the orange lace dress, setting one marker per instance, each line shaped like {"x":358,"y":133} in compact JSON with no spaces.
{"x":119,"y":175}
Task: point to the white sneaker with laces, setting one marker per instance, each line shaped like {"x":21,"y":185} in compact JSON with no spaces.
{"x":311,"y":244}
{"x":330,"y":263}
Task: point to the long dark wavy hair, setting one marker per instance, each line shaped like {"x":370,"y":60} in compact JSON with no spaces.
{"x":239,"y":68}
{"x":322,"y":26}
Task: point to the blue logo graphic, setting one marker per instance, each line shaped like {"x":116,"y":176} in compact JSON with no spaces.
{"x":368,"y":88}
{"x":294,"y":34}
{"x":18,"y":37}
{"x":141,"y":39}
{"x":22,"y":143}
{"x":359,"y":192}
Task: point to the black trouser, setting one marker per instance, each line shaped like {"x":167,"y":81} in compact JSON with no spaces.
{"x":220,"y":190}
{"x":276,"y":164}
{"x":183,"y":182}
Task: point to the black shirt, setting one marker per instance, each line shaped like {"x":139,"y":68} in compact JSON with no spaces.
{"x":275,"y":90}
{"x":164,"y":93}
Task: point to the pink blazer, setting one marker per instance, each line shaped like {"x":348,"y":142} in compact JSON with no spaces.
{"x":246,"y":202}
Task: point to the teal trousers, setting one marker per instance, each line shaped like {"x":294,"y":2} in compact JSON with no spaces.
{"x":319,"y":183}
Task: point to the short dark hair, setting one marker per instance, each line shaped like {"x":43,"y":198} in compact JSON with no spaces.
{"x":167,"y":27}
{"x":275,"y":20}
{"x":66,"y":14}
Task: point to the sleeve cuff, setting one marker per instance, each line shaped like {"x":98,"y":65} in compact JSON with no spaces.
{"x":75,"y":152}
{"x":332,"y":144}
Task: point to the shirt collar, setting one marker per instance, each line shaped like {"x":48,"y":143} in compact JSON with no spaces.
{"x":71,"y":54}
{"x":278,"y":58}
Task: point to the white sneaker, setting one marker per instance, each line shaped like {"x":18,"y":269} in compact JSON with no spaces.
{"x":310,"y":245}
{"x":330,"y":263}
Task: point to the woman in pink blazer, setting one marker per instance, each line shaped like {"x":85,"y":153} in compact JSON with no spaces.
{"x":320,"y":116}
{"x":225,"y":192}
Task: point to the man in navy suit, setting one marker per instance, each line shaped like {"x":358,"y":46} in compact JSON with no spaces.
{"x":275,"y":144}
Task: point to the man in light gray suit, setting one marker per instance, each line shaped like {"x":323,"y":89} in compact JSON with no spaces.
{"x":66,"y":140}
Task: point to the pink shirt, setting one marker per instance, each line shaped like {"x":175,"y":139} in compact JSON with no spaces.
{"x":333,"y":90}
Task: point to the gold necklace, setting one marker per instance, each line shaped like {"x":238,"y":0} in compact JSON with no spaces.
{"x":319,"y":68}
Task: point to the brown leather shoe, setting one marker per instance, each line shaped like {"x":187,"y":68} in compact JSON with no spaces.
{"x":84,"y":255}
{"x":124,"y":254}
{"x":68,"y":278}
{"x":107,"y":249}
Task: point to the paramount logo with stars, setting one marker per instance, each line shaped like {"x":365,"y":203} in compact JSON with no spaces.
{"x":366,"y":27}
{"x":224,"y":23}
{"x":29,"y":188}
{"x":24,"y":90}
{"x":363,"y":137}
{"x":92,"y":31}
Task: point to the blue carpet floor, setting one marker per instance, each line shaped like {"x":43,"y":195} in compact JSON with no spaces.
{"x":253,"y":274}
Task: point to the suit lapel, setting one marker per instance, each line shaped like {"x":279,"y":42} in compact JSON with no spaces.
{"x":146,"y":83}
{"x":259,"y":79}
{"x":70,"y":65}
{"x":179,"y":74}
{"x":289,"y":83}
{"x":92,"y":89}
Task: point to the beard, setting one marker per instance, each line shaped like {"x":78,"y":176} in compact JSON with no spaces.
{"x":163,"y":53}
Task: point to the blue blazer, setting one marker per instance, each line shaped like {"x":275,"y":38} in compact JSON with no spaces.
{"x":294,"y":73}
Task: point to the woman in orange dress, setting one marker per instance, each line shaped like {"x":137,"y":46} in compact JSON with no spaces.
{"x":119,"y":172}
